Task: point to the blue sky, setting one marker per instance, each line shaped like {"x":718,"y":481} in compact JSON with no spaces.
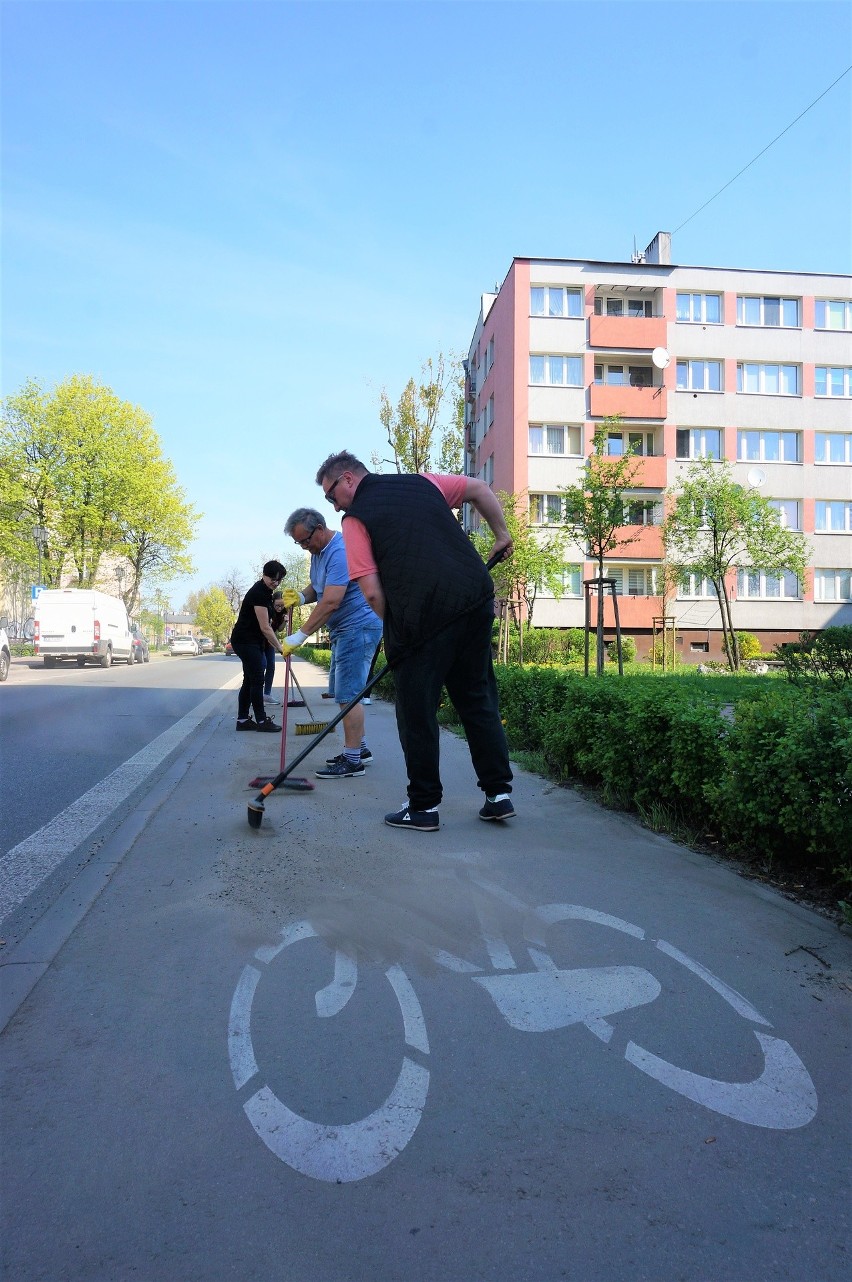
{"x":249,"y":218}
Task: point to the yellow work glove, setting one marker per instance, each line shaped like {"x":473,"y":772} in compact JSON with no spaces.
{"x":292,"y":598}
{"x":291,"y":643}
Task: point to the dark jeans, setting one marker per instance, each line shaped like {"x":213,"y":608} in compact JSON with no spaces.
{"x":253,"y":660}
{"x":460,"y":659}
{"x":269,"y":668}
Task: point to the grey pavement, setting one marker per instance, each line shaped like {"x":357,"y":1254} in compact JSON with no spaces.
{"x":560,"y":1047}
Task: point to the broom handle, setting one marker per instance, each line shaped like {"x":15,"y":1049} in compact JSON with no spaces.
{"x":286,"y":696}
{"x":372,"y":681}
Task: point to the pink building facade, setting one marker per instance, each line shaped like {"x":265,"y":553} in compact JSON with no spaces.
{"x":752,"y":367}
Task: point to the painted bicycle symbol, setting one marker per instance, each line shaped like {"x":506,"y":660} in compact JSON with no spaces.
{"x":539,"y":1000}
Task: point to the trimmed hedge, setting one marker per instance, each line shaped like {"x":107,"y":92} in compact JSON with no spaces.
{"x":771,"y":774}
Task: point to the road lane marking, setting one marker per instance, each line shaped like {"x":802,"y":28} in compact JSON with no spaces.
{"x":28,"y":864}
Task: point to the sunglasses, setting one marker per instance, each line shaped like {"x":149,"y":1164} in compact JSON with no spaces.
{"x":329,"y":494}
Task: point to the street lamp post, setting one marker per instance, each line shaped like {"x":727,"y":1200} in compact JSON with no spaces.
{"x":119,"y":574}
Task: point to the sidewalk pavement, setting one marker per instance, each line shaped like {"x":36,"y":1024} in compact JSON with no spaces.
{"x":120,"y":1071}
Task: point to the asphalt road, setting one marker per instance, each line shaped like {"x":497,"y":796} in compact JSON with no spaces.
{"x":328,"y":1050}
{"x":65,"y":728}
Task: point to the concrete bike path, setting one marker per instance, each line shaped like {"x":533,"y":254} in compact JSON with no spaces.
{"x":558,"y":1048}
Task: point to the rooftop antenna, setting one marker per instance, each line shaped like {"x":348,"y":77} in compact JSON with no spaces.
{"x":636,"y":257}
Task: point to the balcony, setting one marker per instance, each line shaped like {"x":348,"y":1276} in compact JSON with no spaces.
{"x":607,"y":400}
{"x":627,"y":333}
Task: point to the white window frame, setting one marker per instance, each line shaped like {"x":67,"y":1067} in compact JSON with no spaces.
{"x":844,"y":305}
{"x":694,"y":588}
{"x":568,"y":297}
{"x":547,"y":439}
{"x":764,"y":438}
{"x":547,"y":369}
{"x":789,"y":513}
{"x":762,"y":367}
{"x":821,"y":439}
{"x":698,"y":433}
{"x":829,"y":584}
{"x":845,"y":372}
{"x":636,"y":577}
{"x":545,"y":508}
{"x":833,"y":516}
{"x":617,"y":374}
{"x":688,"y":380}
{"x":697,"y":308}
{"x":633,"y":306}
{"x":766,"y":584}
{"x":651,"y":509}
{"x":758,"y":303}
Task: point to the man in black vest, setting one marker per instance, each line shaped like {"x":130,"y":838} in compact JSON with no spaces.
{"x":424,"y":578}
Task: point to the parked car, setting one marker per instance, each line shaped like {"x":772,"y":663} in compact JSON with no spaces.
{"x":229,"y":650}
{"x":183,"y":645}
{"x":141,"y":653}
{"x":206,"y":645}
{"x":5,"y":655}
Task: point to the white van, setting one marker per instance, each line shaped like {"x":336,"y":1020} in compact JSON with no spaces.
{"x":81,"y":624}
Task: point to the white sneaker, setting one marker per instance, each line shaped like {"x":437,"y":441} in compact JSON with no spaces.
{"x":273,"y":699}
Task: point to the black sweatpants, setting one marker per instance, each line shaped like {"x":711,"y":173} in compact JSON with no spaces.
{"x":459,"y":658}
{"x":253,"y":659}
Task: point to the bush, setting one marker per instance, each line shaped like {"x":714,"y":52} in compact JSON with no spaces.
{"x":819,"y":656}
{"x":749,"y":646}
{"x":628,"y":650}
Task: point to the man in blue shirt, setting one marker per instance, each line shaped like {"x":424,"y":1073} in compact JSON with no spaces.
{"x":354,"y":629}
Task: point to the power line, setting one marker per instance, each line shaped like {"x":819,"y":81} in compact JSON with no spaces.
{"x":765,"y":149}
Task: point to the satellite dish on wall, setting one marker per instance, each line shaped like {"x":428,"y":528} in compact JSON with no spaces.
{"x":660,"y":357}
{"x":756,"y":478}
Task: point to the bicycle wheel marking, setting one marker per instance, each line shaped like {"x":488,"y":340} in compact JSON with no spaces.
{"x":341,"y":1153}
{"x":730,"y":995}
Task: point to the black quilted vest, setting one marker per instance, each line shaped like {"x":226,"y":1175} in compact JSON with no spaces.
{"x":430,"y":571}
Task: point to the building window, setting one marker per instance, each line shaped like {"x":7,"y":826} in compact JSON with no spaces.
{"x":692,"y":587}
{"x":768,"y":447}
{"x":642,"y":512}
{"x":699,"y":647}
{"x":633,"y":580}
{"x":699,"y":376}
{"x":754,"y":584}
{"x":832,"y":380}
{"x":641,"y":443}
{"x":547,"y":439}
{"x":833,"y":516}
{"x":833,"y":585}
{"x":698,"y":442}
{"x":556,"y":371}
{"x":623,"y":306}
{"x":833,"y":313}
{"x":545,"y":509}
{"x":489,"y":412}
{"x":624,"y":375}
{"x":555,"y":300}
{"x":783,"y":312}
{"x":833,"y":447}
{"x":488,"y":470}
{"x":487,"y":358}
{"x":768,"y":380}
{"x":701,"y":309}
{"x":789,"y":513}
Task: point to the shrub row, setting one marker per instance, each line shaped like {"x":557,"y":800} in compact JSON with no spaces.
{"x":770,"y":775}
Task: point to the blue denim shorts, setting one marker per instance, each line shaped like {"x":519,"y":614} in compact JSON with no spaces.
{"x":352,"y":654}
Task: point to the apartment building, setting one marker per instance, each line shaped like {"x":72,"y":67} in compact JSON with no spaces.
{"x":754,"y":367}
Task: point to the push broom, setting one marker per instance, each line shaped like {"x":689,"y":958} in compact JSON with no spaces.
{"x":257,"y":807}
{"x":298,"y":784}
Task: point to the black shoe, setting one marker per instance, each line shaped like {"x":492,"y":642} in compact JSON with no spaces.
{"x":247,"y":725}
{"x":366,"y":758}
{"x":497,"y":808}
{"x":268,"y":726}
{"x":340,"y":768}
{"x":418,"y":820}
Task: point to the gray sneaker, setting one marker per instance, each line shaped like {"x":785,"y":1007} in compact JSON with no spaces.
{"x":366,"y":758}
{"x":341,"y":769}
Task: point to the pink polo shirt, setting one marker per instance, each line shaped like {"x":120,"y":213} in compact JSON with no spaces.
{"x":359,"y":549}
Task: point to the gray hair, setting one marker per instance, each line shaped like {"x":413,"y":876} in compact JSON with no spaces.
{"x":307,"y":516}
{"x":336,"y":464}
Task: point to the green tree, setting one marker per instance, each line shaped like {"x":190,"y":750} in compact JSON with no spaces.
{"x":537,"y":562}
{"x":594,"y":509}
{"x":87,"y":469}
{"x":214,"y":615}
{"x":425,"y":430}
{"x":716,"y":527}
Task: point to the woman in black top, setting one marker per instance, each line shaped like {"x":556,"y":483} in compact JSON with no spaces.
{"x":252,"y":631}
